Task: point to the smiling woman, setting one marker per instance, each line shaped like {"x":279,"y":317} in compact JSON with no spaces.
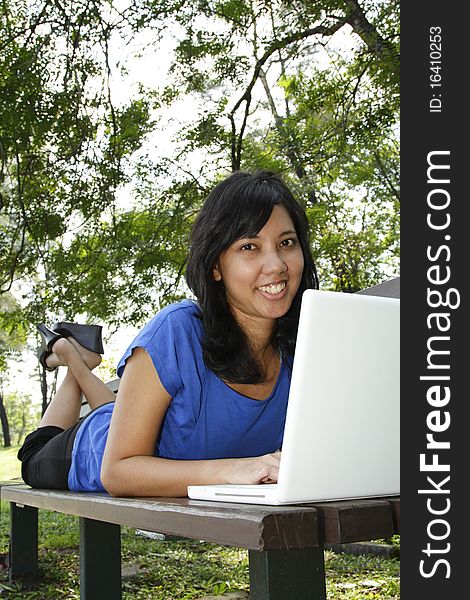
{"x":250,"y":233}
{"x":261,"y":275}
{"x":205,"y":384}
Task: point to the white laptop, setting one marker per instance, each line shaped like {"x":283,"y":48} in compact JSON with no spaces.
{"x":341,"y":437}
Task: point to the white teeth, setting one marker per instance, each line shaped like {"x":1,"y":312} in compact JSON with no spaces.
{"x":273,"y":289}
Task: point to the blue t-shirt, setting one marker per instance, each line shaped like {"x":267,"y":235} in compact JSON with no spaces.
{"x":206,"y":419}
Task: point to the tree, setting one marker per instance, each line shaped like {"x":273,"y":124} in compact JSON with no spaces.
{"x":12,"y":341}
{"x":63,"y":144}
{"x":267,"y":100}
{"x":264,"y":96}
{"x":262,"y":85}
{"x":264,"y":101}
{"x":63,"y":147}
{"x":5,"y":423}
{"x":23,"y":415}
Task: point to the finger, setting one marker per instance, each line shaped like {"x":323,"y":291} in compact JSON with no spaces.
{"x":268,"y":474}
{"x":268,"y":480}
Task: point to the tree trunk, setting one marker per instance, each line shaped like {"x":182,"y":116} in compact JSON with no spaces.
{"x":43,"y":390}
{"x":5,"y":426}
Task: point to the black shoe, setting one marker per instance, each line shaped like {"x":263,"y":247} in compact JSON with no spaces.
{"x":88,"y":336}
{"x":49,"y":338}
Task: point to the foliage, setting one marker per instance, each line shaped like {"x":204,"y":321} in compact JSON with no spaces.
{"x":23,"y":416}
{"x":12,"y":330}
{"x":64,"y":146}
{"x":267,"y":98}
{"x":96,"y":197}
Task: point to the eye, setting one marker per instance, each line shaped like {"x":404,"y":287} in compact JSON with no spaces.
{"x":287,"y":243}
{"x":248,"y":247}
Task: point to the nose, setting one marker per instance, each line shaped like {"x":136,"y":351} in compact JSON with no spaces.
{"x":274,"y":263}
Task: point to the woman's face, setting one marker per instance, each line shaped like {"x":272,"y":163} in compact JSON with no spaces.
{"x":262,"y":274}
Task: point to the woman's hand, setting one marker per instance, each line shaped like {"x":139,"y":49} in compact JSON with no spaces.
{"x":260,"y":469}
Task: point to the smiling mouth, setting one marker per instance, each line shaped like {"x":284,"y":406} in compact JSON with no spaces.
{"x":273,"y":289}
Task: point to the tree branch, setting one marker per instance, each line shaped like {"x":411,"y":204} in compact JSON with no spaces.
{"x":375,"y":43}
{"x":388,"y":181}
{"x":247,"y":95}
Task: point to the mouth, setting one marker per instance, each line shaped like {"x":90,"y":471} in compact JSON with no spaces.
{"x":273,"y":289}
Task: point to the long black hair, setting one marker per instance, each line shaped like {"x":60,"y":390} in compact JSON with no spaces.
{"x":239,"y":207}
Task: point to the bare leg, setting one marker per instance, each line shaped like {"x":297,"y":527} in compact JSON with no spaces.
{"x":64,"y":409}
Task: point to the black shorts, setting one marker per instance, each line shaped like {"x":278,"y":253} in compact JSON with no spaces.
{"x":46,"y":456}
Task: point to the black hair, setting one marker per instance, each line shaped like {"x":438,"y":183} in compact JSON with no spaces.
{"x":239,"y":207}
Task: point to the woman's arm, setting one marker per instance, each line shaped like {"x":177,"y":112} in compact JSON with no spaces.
{"x":129,"y":467}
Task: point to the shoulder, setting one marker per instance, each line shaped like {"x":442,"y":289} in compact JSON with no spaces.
{"x":183,"y":309}
{"x":179,"y":316}
{"x":174,"y":332}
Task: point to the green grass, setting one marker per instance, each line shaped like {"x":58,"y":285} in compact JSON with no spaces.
{"x":182,"y":570}
{"x":10,"y":466}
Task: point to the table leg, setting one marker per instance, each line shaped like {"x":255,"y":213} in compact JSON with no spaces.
{"x":100,"y":560}
{"x":297,"y":574}
{"x":23,"y":542}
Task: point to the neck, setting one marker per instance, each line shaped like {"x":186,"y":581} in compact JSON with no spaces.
{"x":258,"y":334}
{"x":261,"y":349}
{"x":259,"y":338}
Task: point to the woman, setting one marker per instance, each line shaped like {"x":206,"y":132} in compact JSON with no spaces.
{"x":204,"y":385}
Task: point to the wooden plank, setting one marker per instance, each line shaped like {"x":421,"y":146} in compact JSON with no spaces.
{"x":395,"y":504}
{"x":246,"y":526}
{"x":113,"y":385}
{"x":16,"y":481}
{"x":355,"y":520}
{"x":298,"y":528}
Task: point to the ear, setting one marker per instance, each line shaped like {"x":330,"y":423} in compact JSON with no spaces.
{"x":217,"y":276}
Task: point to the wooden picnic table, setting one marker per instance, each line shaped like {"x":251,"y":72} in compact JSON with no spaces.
{"x":285,"y":543}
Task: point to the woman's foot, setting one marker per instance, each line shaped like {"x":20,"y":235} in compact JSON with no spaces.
{"x":91,"y":359}
{"x":52,"y":361}
{"x":66,"y":348}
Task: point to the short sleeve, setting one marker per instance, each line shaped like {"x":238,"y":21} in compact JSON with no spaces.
{"x":170,"y":339}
